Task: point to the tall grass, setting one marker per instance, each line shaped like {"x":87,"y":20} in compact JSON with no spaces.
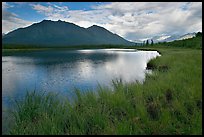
{"x":168,"y":102}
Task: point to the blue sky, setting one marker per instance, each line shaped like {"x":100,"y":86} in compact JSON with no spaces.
{"x":26,"y":12}
{"x":133,"y":21}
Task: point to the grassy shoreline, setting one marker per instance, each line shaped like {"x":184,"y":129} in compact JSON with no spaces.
{"x":168,"y":102}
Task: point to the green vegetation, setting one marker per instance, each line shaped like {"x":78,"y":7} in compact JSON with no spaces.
{"x":168,"y":102}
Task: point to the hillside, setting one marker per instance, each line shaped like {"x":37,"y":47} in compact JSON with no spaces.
{"x":60,"y":33}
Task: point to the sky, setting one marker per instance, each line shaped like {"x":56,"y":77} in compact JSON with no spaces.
{"x":131,"y":20}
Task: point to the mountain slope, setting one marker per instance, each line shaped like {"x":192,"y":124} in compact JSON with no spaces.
{"x":187,"y":36}
{"x":102,"y":36}
{"x":60,"y":33}
{"x":167,"y":38}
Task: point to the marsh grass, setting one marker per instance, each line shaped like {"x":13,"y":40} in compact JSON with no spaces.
{"x":168,"y":102}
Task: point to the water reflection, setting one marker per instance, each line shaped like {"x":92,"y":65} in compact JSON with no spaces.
{"x":61,"y":71}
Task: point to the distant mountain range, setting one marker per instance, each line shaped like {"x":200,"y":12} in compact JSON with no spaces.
{"x":61,"y":33}
{"x":187,"y":36}
{"x":169,"y":38}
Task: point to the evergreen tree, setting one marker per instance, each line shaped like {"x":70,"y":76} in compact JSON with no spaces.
{"x":147,"y":43}
{"x":152,"y":42}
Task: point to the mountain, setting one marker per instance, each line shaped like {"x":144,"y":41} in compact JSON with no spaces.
{"x":61,"y":33}
{"x":169,"y":38}
{"x":102,"y":36}
{"x":187,"y":36}
{"x":180,"y":37}
{"x":172,"y":38}
{"x":161,"y":38}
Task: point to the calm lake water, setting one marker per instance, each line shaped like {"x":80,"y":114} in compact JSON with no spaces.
{"x":61,"y":71}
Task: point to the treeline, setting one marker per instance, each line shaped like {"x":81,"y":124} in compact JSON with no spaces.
{"x":147,"y":43}
{"x":16,"y":46}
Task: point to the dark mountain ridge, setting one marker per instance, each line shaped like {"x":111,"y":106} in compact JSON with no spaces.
{"x":61,"y":33}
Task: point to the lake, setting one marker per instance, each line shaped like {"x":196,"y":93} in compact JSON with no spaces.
{"x":62,"y":71}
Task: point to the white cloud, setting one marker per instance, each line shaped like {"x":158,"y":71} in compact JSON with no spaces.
{"x":43,"y":9}
{"x":5,"y":5}
{"x":168,"y":18}
{"x":51,"y":10}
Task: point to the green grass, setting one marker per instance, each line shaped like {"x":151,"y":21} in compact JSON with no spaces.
{"x":168,"y":102}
